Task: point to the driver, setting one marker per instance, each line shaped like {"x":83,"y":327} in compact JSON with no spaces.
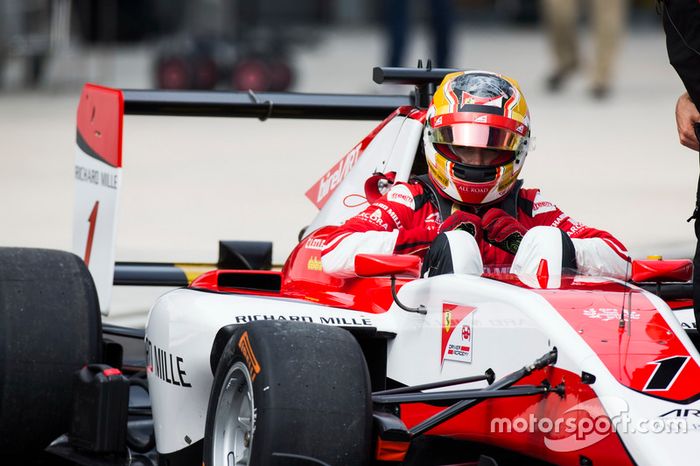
{"x":470,"y":213}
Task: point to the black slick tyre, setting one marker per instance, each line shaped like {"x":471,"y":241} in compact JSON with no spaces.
{"x":50,"y":327}
{"x":289,"y":393}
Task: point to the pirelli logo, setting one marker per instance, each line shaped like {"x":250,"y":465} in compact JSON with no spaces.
{"x":247,"y":350}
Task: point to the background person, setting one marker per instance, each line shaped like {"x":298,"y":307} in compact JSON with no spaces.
{"x":681,"y":19}
{"x":397,"y":12}
{"x":561,"y":21}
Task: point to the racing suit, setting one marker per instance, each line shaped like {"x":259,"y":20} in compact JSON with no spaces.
{"x":407,"y":219}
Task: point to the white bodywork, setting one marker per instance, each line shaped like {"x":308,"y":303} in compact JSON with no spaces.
{"x":392,"y":149}
{"x":686,"y":317}
{"x":183,"y":323}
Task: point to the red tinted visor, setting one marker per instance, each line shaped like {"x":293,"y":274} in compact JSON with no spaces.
{"x":475,"y":157}
{"x":478,"y":135}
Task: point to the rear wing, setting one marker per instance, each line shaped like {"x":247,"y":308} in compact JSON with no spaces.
{"x":98,"y":160}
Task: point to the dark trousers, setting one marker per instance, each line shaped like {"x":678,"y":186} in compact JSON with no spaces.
{"x":441,"y":19}
{"x":696,"y":259}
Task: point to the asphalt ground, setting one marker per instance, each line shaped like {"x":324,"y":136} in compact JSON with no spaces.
{"x":614,"y":164}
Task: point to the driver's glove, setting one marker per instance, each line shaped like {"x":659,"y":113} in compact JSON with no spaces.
{"x":502,"y":230}
{"x":460,"y":220}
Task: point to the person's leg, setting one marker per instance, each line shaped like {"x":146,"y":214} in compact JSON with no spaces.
{"x":544,"y":244}
{"x":453,"y":252}
{"x":396,"y":18}
{"x":560,"y":21}
{"x":442,"y":19}
{"x":608,"y":25}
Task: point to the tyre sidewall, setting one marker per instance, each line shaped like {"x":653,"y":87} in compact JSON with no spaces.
{"x":310,"y":389}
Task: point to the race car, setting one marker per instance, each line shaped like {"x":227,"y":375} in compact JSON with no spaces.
{"x":248,"y":364}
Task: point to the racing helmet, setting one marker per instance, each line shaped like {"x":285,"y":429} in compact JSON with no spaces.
{"x":470,"y":110}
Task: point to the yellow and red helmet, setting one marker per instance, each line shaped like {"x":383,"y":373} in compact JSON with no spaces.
{"x":477,"y":109}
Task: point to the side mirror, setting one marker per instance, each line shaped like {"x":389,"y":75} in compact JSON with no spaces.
{"x":680,"y":270}
{"x":384,"y":265}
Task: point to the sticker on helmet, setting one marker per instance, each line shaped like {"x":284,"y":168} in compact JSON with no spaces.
{"x":482,"y":89}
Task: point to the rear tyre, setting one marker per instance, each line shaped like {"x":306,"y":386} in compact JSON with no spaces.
{"x":289,"y":393}
{"x":50,"y":327}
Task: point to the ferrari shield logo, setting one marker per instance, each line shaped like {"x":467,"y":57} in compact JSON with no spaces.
{"x":457,"y":333}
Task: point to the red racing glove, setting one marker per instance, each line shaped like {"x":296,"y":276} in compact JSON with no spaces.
{"x":465,"y":221}
{"x":502,"y":230}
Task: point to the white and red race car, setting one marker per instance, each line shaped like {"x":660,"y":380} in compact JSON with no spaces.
{"x":252,"y":366}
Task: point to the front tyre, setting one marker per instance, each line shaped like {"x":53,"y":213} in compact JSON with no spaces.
{"x":289,"y":393}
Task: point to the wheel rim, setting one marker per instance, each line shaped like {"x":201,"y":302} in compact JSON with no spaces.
{"x":234,"y":423}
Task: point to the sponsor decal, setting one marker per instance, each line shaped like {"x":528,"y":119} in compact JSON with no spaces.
{"x":166,"y":366}
{"x":473,"y":189}
{"x":520,"y":129}
{"x":321,"y":191}
{"x":363,"y":322}
{"x":682,"y":413}
{"x":575,"y":227}
{"x":249,"y":355}
{"x":254,"y":317}
{"x":438,"y":121}
{"x":606,"y":314}
{"x":687,"y":325}
{"x":683,"y":417}
{"x":506,"y":173}
{"x":557,"y":221}
{"x":401,"y":195}
{"x":497,"y":102}
{"x":432,"y":218}
{"x":440,"y":178}
{"x":481,"y":119}
{"x":107,"y":179}
{"x":342,"y":321}
{"x":541,"y":206}
{"x":374,"y":218}
{"x":314,"y":264}
{"x":466,"y":332}
{"x":390,"y":213}
{"x":457,"y":334}
{"x":315,"y":243}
